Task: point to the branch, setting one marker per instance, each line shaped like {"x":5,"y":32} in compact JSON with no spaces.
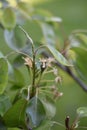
{"x":70,"y":73}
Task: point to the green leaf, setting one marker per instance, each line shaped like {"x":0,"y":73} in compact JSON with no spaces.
{"x":30,"y":42}
{"x":82,"y":38}
{"x":15,"y":116}
{"x":27,"y":35}
{"x":16,"y":78}
{"x":20,"y":18}
{"x":5,"y":104}
{"x":15,"y":39}
{"x":8,"y":18}
{"x":78,"y":40}
{"x":81,"y":62}
{"x":82,"y":112}
{"x":58,"y":56}
{"x":18,"y":61}
{"x":49,"y":106}
{"x":48,"y":33}
{"x":36,"y":111}
{"x":45,"y":16}
{"x":19,"y":78}
{"x":41,"y":15}
{"x":3,"y":74}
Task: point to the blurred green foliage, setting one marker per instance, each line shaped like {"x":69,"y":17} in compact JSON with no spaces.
{"x":74,"y":16}
{"x":73,"y":13}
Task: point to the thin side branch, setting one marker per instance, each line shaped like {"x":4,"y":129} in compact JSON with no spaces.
{"x":70,"y":72}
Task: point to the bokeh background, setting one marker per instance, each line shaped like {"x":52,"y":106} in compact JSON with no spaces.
{"x":74,"y":16}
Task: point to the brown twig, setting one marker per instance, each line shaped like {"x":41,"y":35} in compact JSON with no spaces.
{"x":67,"y":123}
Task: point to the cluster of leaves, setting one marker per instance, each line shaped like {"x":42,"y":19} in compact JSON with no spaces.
{"x":31,"y":105}
{"x":27,"y":94}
